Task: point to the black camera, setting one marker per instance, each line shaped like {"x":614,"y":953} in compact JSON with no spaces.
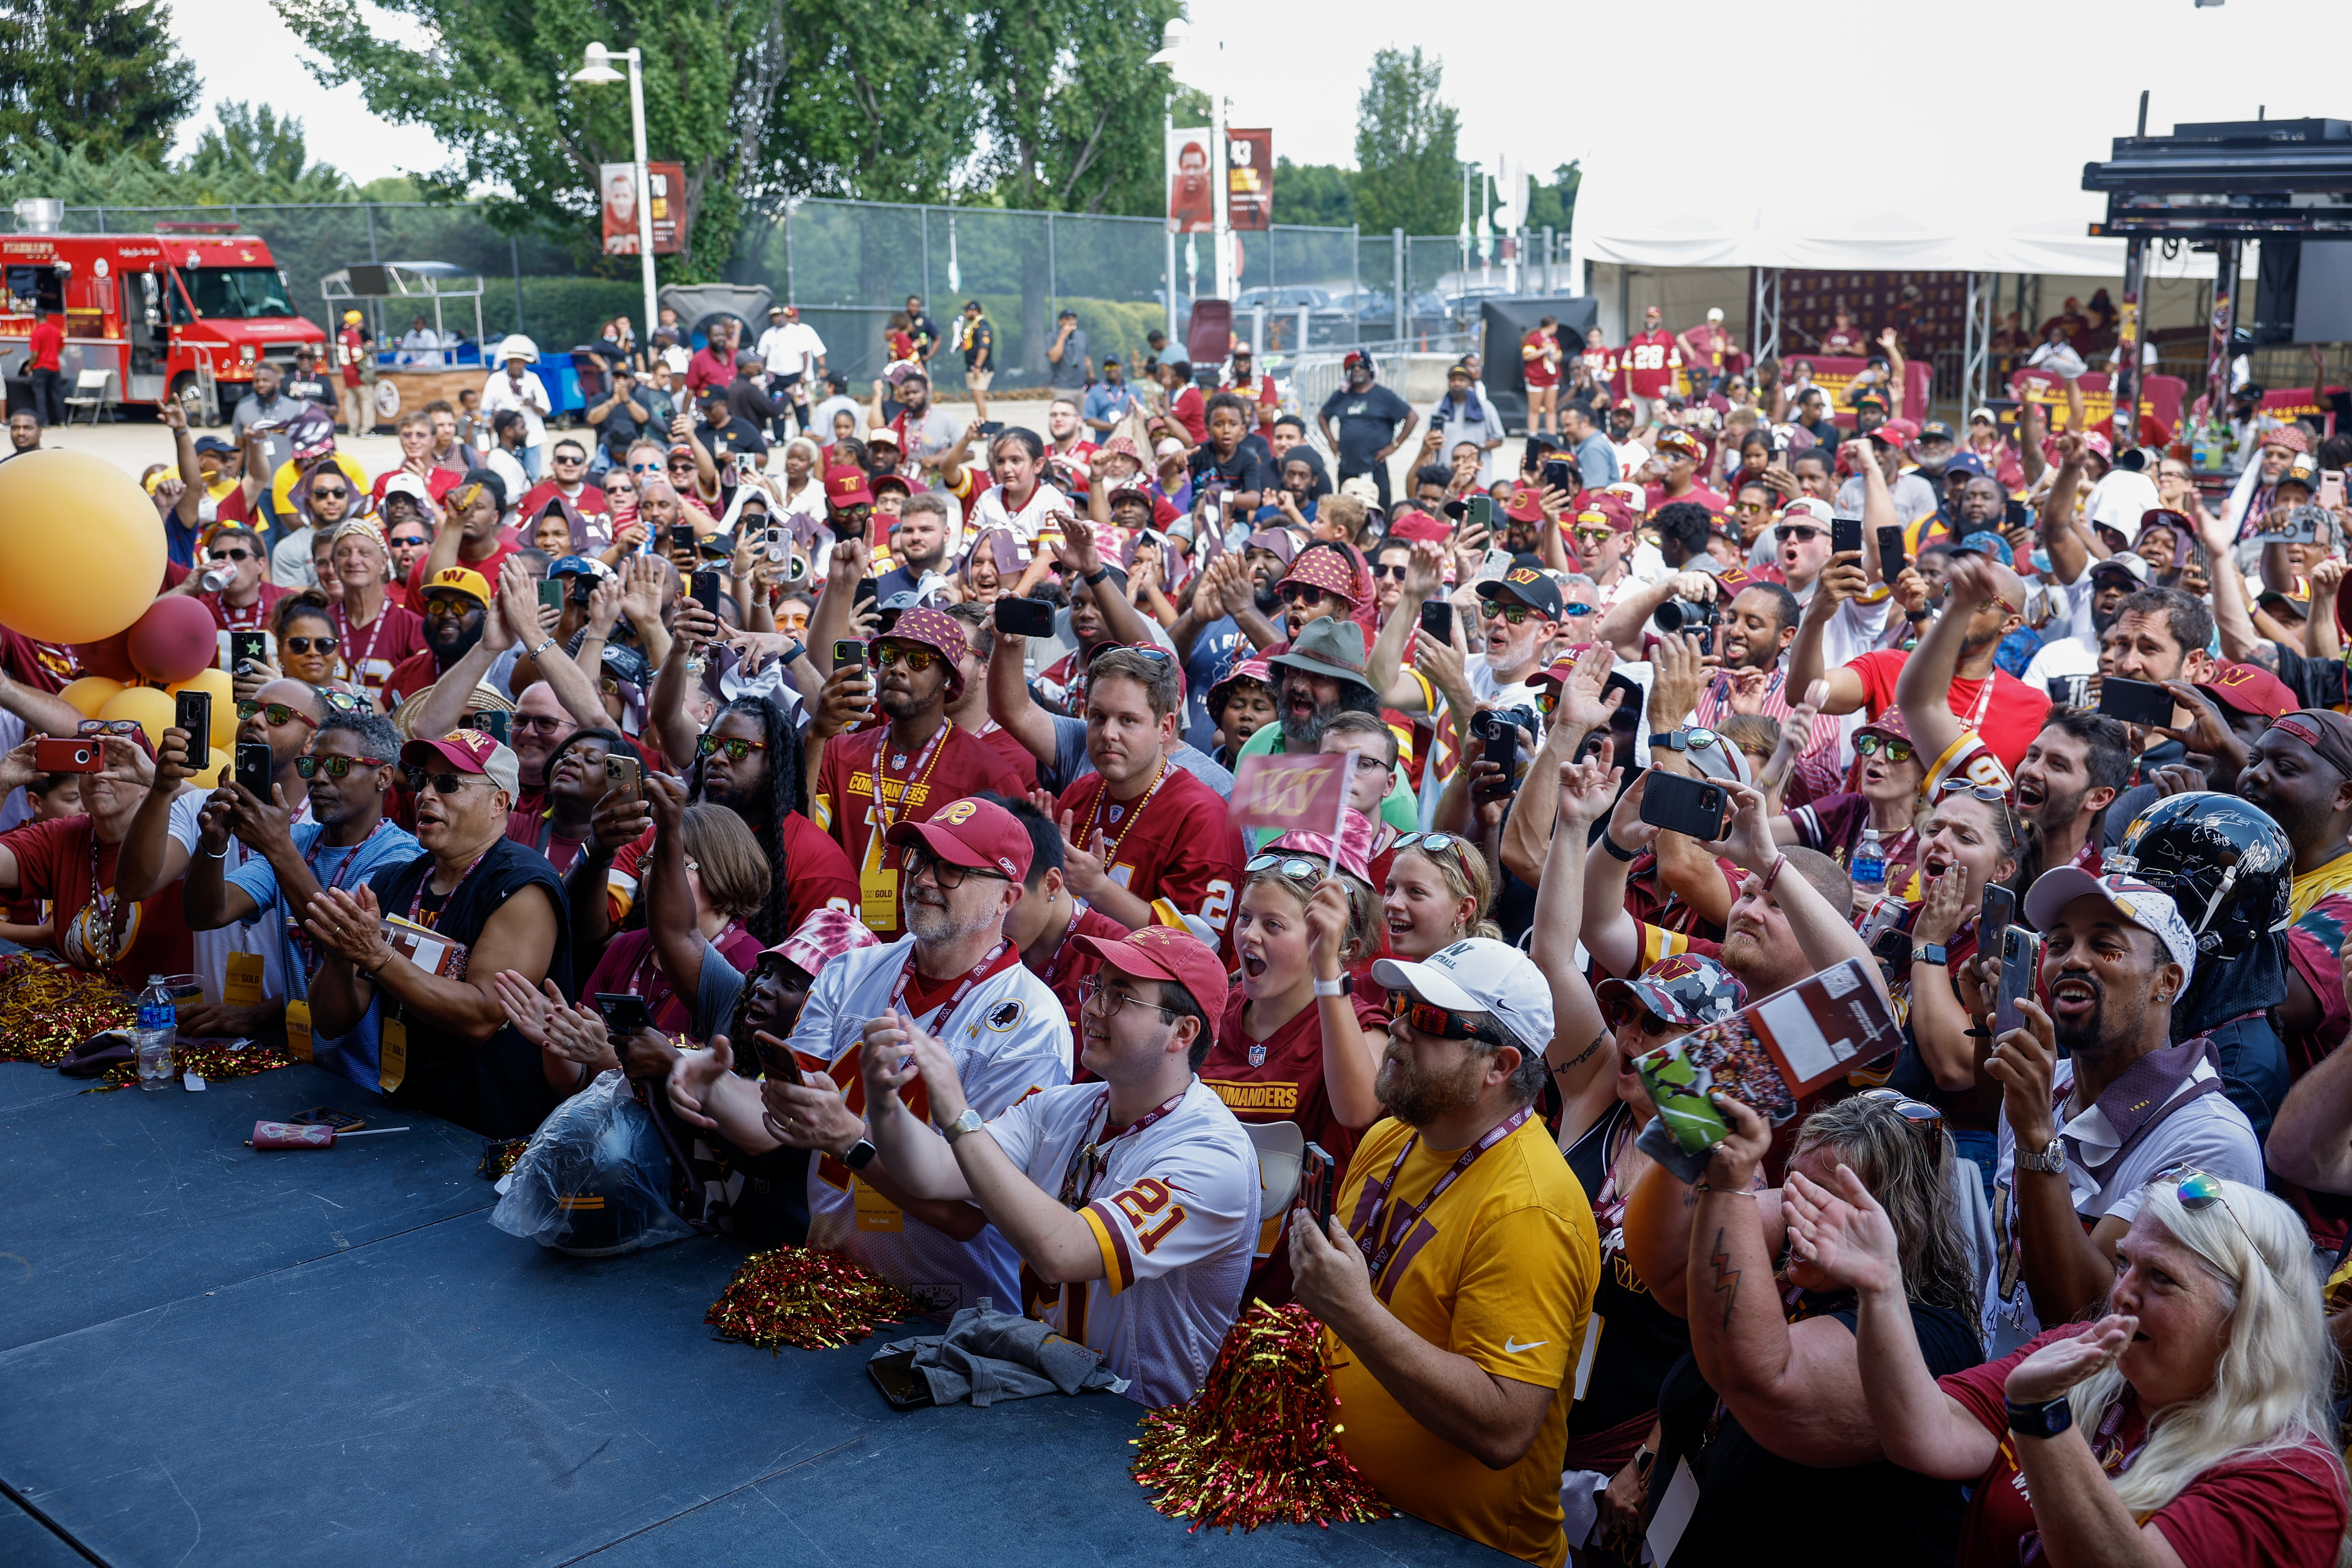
{"x":1488,"y":723}
{"x":1686,"y":615}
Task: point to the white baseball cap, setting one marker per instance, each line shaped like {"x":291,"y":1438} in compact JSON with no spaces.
{"x":1479,"y":974}
{"x":2145,"y":905}
{"x":1714,"y":313}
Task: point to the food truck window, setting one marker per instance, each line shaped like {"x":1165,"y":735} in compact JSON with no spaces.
{"x":30,"y":286}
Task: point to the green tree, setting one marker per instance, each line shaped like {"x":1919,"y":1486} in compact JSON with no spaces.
{"x":897,"y":116}
{"x":103,"y":75}
{"x":1408,"y":175}
{"x":1553,"y":205}
{"x":253,"y":149}
{"x":1071,"y":112}
{"x":495,"y":91}
{"x":1314,"y":194}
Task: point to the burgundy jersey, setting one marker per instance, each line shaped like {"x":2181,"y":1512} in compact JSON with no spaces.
{"x":1168,"y":846}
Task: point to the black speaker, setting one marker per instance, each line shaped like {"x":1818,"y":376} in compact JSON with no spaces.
{"x":2302,"y":293}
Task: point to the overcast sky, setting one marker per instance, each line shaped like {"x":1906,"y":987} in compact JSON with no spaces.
{"x":2045,"y":80}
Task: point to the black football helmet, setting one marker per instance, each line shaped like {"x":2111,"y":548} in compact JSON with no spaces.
{"x":2227,"y":864}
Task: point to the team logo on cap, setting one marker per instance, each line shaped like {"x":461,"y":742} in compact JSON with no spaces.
{"x":1004,"y":1015}
{"x":1525,"y":575}
{"x":958,"y":813}
{"x":1675,"y":968}
{"x":2235,"y":675}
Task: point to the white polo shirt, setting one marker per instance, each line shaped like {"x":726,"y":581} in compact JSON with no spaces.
{"x":1174,"y":1208}
{"x":1009,"y":1035}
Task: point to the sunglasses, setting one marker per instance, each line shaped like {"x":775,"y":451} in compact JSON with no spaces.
{"x":108,"y":727}
{"x":338,"y":493}
{"x":537,"y":721}
{"x":644,"y":467}
{"x":1918,"y":1112}
{"x":946,"y":873}
{"x":1429,"y":1018}
{"x":304,"y":645}
{"x":441,"y":784}
{"x":1393,"y":572}
{"x":1897,"y":750}
{"x":2198,"y":1191}
{"x":915,"y":659}
{"x":455,"y":604}
{"x":232,"y":554}
{"x":1802,"y":532}
{"x":1577,"y":609}
{"x":1593,"y":535}
{"x":1989,"y":794}
{"x":1513,"y":614}
{"x":336,"y":767}
{"x":1434,"y":844}
{"x":1296,"y":867}
{"x":275,"y":713}
{"x":736,"y":749}
{"x":408,"y":541}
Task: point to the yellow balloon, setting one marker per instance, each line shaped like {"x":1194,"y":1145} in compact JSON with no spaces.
{"x":81,"y":550}
{"x":210,"y":778}
{"x":150,"y":706}
{"x":89,"y":694}
{"x":223,"y":695}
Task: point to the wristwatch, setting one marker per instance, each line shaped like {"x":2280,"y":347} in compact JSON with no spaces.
{"x":967,"y":1121}
{"x":2051,"y":1160}
{"x":1670,"y":740}
{"x":1095,"y":578}
{"x":2046,"y":1418}
{"x":860,"y":1155}
{"x":1343,"y":986}
{"x":1929,"y":952}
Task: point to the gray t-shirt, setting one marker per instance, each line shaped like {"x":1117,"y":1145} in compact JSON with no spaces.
{"x":1070,"y":373}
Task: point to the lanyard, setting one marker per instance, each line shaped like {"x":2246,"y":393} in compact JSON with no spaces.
{"x":309,"y":863}
{"x":1078,"y":1190}
{"x":355,"y":659}
{"x":924,"y":761}
{"x":1001,"y":956}
{"x":1381,"y":1224}
{"x":432,"y":921}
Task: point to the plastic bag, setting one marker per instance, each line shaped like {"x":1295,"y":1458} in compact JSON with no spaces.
{"x":594,"y":1180}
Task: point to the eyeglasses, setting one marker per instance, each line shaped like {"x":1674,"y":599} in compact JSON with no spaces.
{"x":338,"y":493}
{"x":1429,"y":1018}
{"x":231,"y":554}
{"x":736,"y":748}
{"x":915,"y":659}
{"x":946,"y":873}
{"x":336,"y":767}
{"x":1092,"y":989}
{"x":108,"y":727}
{"x":1802,"y":532}
{"x":1393,"y":572}
{"x":1919,"y":1113}
{"x":275,"y":713}
{"x":441,"y":784}
{"x":1897,"y":750}
{"x":304,"y":645}
{"x":2198,"y":1191}
{"x":547,"y":722}
{"x":1295,"y":867}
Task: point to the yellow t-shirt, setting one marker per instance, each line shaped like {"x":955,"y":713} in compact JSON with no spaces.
{"x":1500,"y":1269}
{"x":2334,"y":877}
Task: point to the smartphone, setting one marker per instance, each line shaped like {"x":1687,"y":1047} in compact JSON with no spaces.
{"x":2135,"y":701}
{"x":551,"y":592}
{"x":624,"y":772}
{"x":850,"y":651}
{"x":489,"y":722}
{"x":1502,"y":749}
{"x":1680,"y":804}
{"x":1481,"y":512}
{"x":1890,"y":551}
{"x":1436,"y":619}
{"x":992,"y":427}
{"x":253,"y":767}
{"x":1997,"y":914}
{"x":327,"y":1116}
{"x":1023,"y":617}
{"x":1317,"y":1178}
{"x":1559,"y":475}
{"x":682,"y":537}
{"x":69,"y":754}
{"x":247,"y":648}
{"x":868,"y":589}
{"x":193,"y":711}
{"x":2331,"y":488}
{"x":706,"y":591}
{"x":624,"y":1013}
{"x":2020,"y":956}
{"x":1845,"y":534}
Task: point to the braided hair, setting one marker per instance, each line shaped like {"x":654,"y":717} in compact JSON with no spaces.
{"x":769,"y":923}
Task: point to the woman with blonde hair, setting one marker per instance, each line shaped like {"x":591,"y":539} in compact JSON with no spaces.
{"x":2188,"y":1424}
{"x":1439,"y":890}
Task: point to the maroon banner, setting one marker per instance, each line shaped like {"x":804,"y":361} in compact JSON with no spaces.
{"x":617,"y":186}
{"x":2161,"y":398}
{"x":1249,"y":178}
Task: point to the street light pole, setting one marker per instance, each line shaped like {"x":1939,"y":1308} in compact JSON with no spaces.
{"x":595,"y":69}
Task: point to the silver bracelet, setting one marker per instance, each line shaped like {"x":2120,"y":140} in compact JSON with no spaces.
{"x":543,"y":647}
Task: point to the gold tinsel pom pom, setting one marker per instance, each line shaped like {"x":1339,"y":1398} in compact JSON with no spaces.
{"x":814,"y":1300}
{"x":47,"y":1008}
{"x":1257,"y":1445}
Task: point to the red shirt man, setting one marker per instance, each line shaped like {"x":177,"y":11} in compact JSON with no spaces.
{"x":2008,"y":717}
{"x":47,"y":343}
{"x":713,"y":365}
{"x":350,"y":345}
{"x":1169,"y":847}
{"x":1651,"y":360}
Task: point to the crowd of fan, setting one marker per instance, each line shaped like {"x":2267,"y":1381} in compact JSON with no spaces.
{"x":890,"y":769}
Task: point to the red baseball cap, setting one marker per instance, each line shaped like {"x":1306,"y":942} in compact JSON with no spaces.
{"x":2250,"y":688}
{"x":891,"y":481}
{"x":1896,"y":432}
{"x":978,"y":833}
{"x":469,"y":751}
{"x":846,"y":486}
{"x":1164,"y":953}
{"x":1410,"y":526}
{"x":1685,"y":443}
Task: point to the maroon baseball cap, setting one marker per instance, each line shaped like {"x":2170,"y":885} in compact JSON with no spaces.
{"x":979,"y":834}
{"x":846,"y":486}
{"x":890,"y":482}
{"x":2250,"y":688}
{"x":1164,"y":953}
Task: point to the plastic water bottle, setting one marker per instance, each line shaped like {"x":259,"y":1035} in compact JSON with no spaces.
{"x":158,"y":1033}
{"x":1868,"y":867}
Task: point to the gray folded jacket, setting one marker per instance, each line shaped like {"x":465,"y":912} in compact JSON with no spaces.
{"x":987,"y":1355}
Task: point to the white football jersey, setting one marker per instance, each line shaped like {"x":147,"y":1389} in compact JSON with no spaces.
{"x":1174,"y":1208}
{"x":1009,"y":1035}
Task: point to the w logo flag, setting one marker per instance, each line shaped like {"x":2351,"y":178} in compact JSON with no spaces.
{"x":1303,"y":795}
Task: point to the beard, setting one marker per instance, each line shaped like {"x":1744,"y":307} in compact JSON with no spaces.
{"x":1301,"y":736}
{"x":1741,"y":953}
{"x":1268,"y":600}
{"x":938,"y":922}
{"x":1417,"y":1098}
{"x":449,"y":646}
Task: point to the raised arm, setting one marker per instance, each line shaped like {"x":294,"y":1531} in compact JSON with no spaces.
{"x":2068,"y":556}
{"x":1010,"y":703}
{"x":2233,"y":617}
{"x":1612,"y":936}
{"x":1824,"y":932}
{"x":1423,"y":574}
{"x":1581,"y":1057}
{"x":1841,"y":580}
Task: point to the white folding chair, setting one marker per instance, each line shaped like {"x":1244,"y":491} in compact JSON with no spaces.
{"x":90,"y":391}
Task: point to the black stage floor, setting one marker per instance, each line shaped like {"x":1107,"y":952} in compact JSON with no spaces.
{"x":214,"y":1356}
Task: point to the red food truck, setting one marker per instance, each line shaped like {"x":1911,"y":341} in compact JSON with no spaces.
{"x":185,"y":312}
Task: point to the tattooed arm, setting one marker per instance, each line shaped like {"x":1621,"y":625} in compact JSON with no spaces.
{"x":1797,"y":1388}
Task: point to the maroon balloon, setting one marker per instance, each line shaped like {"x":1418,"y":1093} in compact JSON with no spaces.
{"x":176,"y":637}
{"x":110,"y":658}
